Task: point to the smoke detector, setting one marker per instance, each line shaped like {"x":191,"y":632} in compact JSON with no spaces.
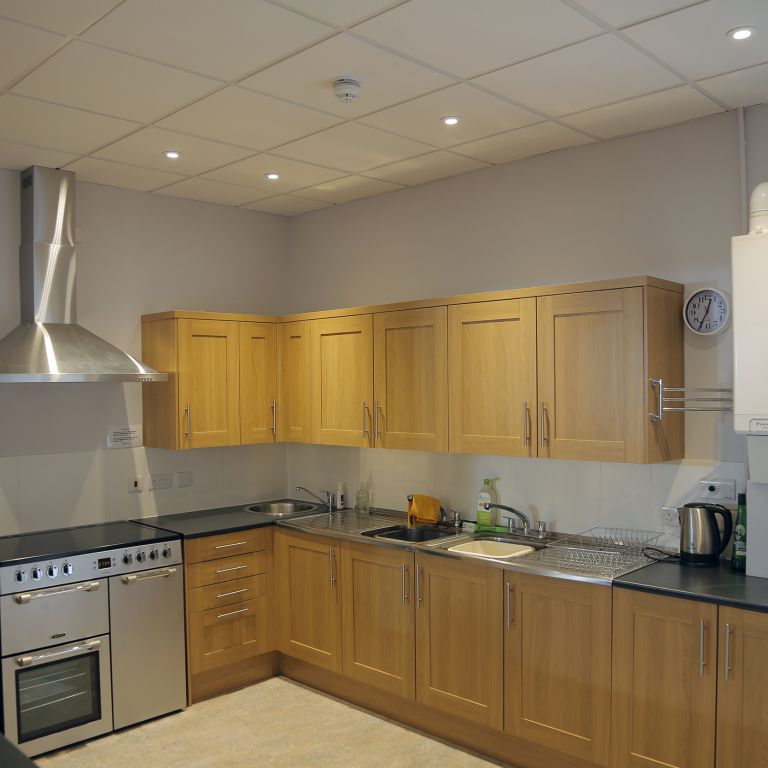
{"x":346,"y":89}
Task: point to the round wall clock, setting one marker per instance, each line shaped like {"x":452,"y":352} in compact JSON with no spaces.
{"x":707,"y":311}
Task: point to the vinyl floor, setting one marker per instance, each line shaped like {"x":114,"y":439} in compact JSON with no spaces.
{"x":274,"y":724}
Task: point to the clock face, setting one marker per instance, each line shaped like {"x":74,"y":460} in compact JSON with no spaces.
{"x":706,"y":311}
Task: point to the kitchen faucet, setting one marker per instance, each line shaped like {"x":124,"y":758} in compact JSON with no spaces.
{"x":527,"y":523}
{"x":329,"y":501}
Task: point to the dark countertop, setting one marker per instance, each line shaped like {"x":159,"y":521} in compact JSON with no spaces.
{"x":713,"y":585}
{"x":10,"y":757}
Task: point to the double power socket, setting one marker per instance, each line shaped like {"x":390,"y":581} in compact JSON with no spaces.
{"x":160,"y":481}
{"x":709,"y":491}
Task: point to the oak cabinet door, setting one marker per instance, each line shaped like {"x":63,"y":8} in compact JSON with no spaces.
{"x":307,"y":571}
{"x":459,"y":665}
{"x":557,"y":664}
{"x":410,"y":352}
{"x":664,"y":681}
{"x":342,"y":380}
{"x":209,"y":408}
{"x":294,"y":407}
{"x":377,"y":617}
{"x":492,"y":377}
{"x":258,"y":382}
{"x":592,"y":385}
{"x":742,"y":689}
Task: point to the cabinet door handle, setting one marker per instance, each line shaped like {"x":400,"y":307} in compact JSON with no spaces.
{"x":229,"y":594}
{"x":658,"y":385}
{"x":375,"y":419}
{"x":405,"y":580}
{"x":365,"y":420}
{"x":418,"y":586}
{"x":331,"y":567}
{"x":526,"y":424}
{"x":727,"y":663}
{"x":188,"y":412}
{"x":702,"y":650}
{"x":232,"y":613}
{"x":274,"y":417}
{"x":235,"y":544}
{"x":234,"y":568}
{"x":508,"y":589}
{"x":543,"y":426}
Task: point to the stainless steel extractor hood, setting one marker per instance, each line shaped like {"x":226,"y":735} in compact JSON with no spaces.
{"x":49,"y":345}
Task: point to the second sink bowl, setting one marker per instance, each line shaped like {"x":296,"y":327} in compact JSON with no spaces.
{"x":488,"y":548}
{"x":283,"y":508}
{"x":404,"y":533}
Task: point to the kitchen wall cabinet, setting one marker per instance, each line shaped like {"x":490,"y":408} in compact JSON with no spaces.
{"x":492,"y":380}
{"x":378,"y":617}
{"x":228,"y":605}
{"x":742,"y":688}
{"x":664,"y":681}
{"x":410,"y":349}
{"x":294,"y":413}
{"x":342,"y":380}
{"x":557,"y":664}
{"x":258,"y":382}
{"x":597,"y":351}
{"x":309,"y":599}
{"x":459,"y":665}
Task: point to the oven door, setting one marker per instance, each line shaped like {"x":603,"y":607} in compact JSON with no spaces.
{"x":57,"y":696}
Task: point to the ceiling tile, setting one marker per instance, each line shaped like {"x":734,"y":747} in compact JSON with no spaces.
{"x":238,"y":116}
{"x":576,"y":78}
{"x":740,"y":89}
{"x":645,"y":113}
{"x":22,"y":48}
{"x":618,"y":13}
{"x":348,"y":188}
{"x":90,"y":77}
{"x":524,"y":142}
{"x":467,"y":38}
{"x":420,"y":170}
{"x":212,"y":192}
{"x":293,"y":175}
{"x":694,"y":40}
{"x":69,"y":18}
{"x":146,"y":148}
{"x":353,"y":147}
{"x":17,"y":157}
{"x":48,"y":125}
{"x":119,"y":175}
{"x":226,"y":39}
{"x":480,"y":113}
{"x":307,"y":77}
{"x":287,"y":205}
{"x":339,"y":12}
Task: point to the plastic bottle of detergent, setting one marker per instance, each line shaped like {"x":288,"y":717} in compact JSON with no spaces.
{"x":486,"y":518}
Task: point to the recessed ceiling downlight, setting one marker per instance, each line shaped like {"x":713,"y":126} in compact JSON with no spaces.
{"x":741,"y":33}
{"x":172,"y":154}
{"x":272,"y":176}
{"x":450,"y":120}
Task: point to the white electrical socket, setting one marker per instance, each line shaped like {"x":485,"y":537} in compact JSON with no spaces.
{"x":670,"y":516}
{"x":183,"y":479}
{"x":722,"y":491}
{"x":161,"y":481}
{"x":134,"y":485}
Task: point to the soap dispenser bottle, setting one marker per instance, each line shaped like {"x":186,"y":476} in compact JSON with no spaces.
{"x":486,"y":518}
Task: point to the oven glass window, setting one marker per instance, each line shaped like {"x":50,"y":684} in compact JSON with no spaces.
{"x":58,"y":695}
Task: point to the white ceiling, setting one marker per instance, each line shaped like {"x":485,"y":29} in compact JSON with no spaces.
{"x":243,"y":87}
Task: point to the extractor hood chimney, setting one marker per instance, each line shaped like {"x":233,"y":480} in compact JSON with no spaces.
{"x":49,"y":345}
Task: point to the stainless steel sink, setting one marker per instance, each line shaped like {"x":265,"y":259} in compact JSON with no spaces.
{"x":404,"y":533}
{"x":284,"y":508}
{"x":528,"y":541}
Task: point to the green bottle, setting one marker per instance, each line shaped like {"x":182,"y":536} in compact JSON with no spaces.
{"x":739,"y":556}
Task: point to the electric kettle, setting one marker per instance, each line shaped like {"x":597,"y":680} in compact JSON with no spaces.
{"x":700,"y":539}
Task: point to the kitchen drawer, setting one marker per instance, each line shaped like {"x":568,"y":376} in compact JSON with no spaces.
{"x":226,"y":569}
{"x":236,"y":591}
{"x":222,"y":636}
{"x":224,"y":545}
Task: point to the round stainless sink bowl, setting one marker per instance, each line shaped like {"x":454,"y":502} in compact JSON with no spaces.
{"x":282,"y":508}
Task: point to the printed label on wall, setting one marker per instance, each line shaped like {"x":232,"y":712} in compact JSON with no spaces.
{"x":128,"y":436}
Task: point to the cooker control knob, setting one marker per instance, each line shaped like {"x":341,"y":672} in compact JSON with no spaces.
{"x":20,"y":576}
{"x":127,"y":558}
{"x":52,"y":571}
{"x":166,"y":551}
{"x":153,"y":554}
{"x":141,"y":557}
{"x":67,"y":569}
{"x":37,"y":573}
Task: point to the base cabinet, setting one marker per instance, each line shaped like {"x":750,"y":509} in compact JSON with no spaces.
{"x":557,"y":664}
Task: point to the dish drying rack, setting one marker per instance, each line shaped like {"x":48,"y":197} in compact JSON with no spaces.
{"x":604,"y":552}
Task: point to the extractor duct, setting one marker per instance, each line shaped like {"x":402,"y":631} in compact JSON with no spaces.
{"x":49,"y":345}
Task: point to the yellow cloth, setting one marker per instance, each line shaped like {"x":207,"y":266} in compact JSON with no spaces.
{"x":423,"y":509}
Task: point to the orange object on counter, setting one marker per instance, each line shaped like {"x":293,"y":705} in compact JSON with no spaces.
{"x":423,"y":509}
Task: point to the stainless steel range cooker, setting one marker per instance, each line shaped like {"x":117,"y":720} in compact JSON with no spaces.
{"x":91,"y":632}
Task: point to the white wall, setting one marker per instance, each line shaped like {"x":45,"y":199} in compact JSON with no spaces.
{"x":137,"y":253}
{"x":663,"y":203}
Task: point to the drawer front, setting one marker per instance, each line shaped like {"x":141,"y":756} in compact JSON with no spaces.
{"x":228,"y":634}
{"x":224,"y":545}
{"x":228,"y":593}
{"x":225,"y":569}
